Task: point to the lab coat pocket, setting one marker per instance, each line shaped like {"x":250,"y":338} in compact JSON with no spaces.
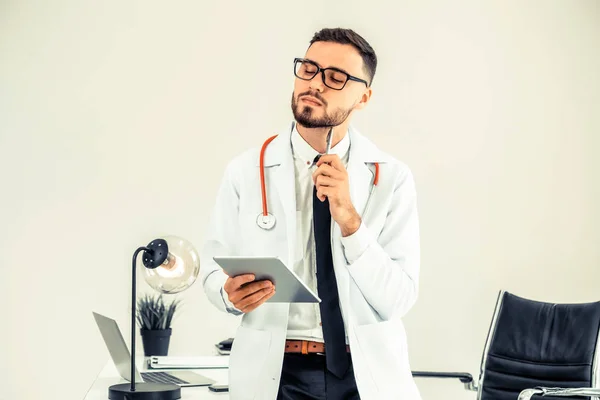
{"x":247,"y":361}
{"x":384,"y":349}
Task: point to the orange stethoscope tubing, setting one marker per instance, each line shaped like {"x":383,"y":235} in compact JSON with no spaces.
{"x":262,"y":175}
{"x":265,"y":211}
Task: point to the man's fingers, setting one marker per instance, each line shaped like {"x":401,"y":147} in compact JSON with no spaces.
{"x":323,"y":192}
{"x":333,"y":160}
{"x":327,"y":189}
{"x":240,"y":280}
{"x":254,"y":298}
{"x":323,"y":180}
{"x":328,"y":172}
{"x":233,"y":284}
{"x":247,"y":294}
{"x":254,"y":287}
{"x":260,"y":299}
{"x":243,"y":292}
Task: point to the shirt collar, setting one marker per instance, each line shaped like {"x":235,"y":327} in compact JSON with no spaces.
{"x":303,"y":151}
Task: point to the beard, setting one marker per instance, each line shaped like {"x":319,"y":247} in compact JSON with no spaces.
{"x":305,"y":115}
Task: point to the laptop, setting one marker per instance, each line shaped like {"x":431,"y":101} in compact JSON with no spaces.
{"x":122,"y":358}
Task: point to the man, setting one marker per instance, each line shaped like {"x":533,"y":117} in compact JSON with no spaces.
{"x":346,"y":223}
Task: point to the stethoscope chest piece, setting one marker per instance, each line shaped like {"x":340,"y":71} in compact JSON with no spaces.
{"x":265,"y":221}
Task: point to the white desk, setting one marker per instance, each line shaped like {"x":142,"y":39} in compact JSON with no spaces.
{"x":109,"y":376}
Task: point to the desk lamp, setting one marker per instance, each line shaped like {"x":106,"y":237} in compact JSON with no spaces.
{"x":171,"y":265}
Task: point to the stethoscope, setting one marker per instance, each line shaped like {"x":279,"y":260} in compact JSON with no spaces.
{"x":265,"y":220}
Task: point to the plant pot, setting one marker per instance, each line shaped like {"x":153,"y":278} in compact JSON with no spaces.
{"x":156,"y":342}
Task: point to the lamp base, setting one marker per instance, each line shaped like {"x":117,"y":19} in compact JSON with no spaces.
{"x":144,"y":391}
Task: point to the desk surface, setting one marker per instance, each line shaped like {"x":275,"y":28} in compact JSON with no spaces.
{"x":109,"y":376}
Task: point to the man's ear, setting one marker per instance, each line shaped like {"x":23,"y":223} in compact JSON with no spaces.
{"x":365,"y":98}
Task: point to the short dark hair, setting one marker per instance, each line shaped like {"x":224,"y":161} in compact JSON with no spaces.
{"x":348,"y":36}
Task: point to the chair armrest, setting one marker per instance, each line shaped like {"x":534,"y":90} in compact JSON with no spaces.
{"x":547,"y":391}
{"x":464,"y":377}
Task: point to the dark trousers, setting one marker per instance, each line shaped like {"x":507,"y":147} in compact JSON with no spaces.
{"x":305,"y":377}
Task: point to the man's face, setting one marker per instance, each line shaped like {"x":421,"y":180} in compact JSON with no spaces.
{"x":316,"y":105}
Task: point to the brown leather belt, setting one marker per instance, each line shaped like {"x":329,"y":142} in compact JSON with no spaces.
{"x":306,"y":347}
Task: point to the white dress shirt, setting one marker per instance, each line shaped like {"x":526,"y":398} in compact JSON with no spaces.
{"x":305,"y":318}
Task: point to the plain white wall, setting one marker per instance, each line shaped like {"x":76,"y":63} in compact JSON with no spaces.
{"x":117,"y":119}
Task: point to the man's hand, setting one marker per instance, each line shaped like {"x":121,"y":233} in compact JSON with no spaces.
{"x":331,"y":180}
{"x":245,"y":294}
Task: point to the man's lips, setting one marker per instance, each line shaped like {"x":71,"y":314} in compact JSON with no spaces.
{"x":311,"y":100}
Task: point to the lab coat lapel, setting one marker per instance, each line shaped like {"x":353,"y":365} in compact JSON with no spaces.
{"x":360,"y":176}
{"x":278,"y":157}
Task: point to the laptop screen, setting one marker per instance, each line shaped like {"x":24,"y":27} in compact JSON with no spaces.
{"x":116,"y":346}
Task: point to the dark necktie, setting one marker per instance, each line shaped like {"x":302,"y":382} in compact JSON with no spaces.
{"x":333,"y":324}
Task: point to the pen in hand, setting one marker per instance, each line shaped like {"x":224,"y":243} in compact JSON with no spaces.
{"x":328,"y":147}
{"x":327,"y":150}
{"x":329,"y":140}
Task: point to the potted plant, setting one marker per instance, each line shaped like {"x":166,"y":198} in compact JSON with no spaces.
{"x":154,"y":318}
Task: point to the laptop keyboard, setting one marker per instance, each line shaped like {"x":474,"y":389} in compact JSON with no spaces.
{"x":161,"y":377}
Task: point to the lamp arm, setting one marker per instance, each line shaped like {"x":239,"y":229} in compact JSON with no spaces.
{"x":133,"y":313}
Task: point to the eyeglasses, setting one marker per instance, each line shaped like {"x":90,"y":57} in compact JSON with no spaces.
{"x":332,"y":77}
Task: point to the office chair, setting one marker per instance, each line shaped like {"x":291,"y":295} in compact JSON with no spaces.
{"x":537,"y":349}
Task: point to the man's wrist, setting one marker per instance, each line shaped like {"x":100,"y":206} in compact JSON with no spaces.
{"x":350,"y":226}
{"x":356,"y":244}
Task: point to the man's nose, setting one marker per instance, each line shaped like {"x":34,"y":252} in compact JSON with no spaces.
{"x":316,"y":83}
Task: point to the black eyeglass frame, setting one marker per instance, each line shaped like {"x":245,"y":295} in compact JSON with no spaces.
{"x":322,"y":71}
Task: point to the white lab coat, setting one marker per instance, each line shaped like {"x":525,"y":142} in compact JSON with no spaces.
{"x":375,"y":291}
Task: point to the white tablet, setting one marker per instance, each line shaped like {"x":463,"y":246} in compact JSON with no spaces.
{"x":288,"y":286}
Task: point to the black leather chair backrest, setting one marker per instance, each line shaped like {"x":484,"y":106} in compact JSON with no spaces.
{"x":532,"y":343}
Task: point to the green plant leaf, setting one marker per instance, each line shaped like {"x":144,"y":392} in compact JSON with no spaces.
{"x":153,"y":313}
